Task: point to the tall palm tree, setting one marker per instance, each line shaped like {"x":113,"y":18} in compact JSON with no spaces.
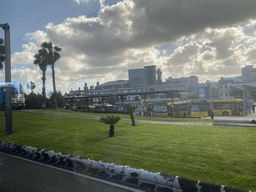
{"x":53,"y":56}
{"x":2,"y":53}
{"x":41,"y":60}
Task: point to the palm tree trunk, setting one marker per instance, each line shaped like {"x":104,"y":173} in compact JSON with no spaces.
{"x":132,"y":119}
{"x":54,"y":88}
{"x":111,"y":131}
{"x":43,"y":90}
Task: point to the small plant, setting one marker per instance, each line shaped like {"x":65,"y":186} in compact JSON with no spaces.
{"x":111,"y":120}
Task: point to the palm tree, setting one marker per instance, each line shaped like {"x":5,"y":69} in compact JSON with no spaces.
{"x":111,"y":120}
{"x":31,"y":86}
{"x":41,"y":60}
{"x":2,"y":53}
{"x":172,"y":94}
{"x":53,"y":56}
{"x":130,"y":109}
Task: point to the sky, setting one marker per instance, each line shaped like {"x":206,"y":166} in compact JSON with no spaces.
{"x":102,"y":39}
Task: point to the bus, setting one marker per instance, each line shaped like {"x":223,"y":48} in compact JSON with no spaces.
{"x":201,"y":108}
{"x":228,"y":107}
{"x":105,"y":108}
{"x":160,"y":110}
{"x":18,"y":99}
{"x":189,"y":108}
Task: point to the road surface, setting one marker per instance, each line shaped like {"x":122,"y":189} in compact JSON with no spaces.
{"x":22,"y":175}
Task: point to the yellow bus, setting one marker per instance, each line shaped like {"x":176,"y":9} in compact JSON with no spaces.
{"x":228,"y":107}
{"x":160,"y":110}
{"x":189,"y":108}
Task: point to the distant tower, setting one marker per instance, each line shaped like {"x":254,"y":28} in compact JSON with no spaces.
{"x":85,"y":88}
{"x":98,"y":83}
{"x":159,"y":76}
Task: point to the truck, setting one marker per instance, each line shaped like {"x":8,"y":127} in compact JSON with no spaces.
{"x":18,"y":99}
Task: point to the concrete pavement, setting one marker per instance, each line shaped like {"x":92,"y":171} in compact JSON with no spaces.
{"x":19,"y":175}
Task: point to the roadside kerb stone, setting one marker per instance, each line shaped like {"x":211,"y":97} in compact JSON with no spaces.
{"x":125,"y":175}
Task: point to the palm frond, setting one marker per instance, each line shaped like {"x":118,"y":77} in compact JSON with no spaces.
{"x":56,"y":56}
{"x":110,"y":119}
{"x":131,"y":108}
{"x":58,"y":49}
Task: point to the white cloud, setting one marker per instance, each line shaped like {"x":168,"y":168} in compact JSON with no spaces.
{"x":124,"y":36}
{"x":82,"y":1}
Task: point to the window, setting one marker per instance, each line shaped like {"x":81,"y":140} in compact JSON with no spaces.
{"x":220,"y":87}
{"x":226,"y":94}
{"x":226,"y":86}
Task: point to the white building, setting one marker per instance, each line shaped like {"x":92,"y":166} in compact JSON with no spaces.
{"x":249,"y":74}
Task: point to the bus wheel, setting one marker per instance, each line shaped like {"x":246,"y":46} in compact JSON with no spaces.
{"x":225,"y":113}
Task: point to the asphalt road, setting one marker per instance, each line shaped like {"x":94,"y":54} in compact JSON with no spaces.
{"x":20,"y":175}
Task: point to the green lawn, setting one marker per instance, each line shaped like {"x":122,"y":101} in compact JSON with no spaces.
{"x":220,"y":155}
{"x":138,"y":117}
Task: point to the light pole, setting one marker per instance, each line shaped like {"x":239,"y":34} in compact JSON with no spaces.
{"x":7,"y":62}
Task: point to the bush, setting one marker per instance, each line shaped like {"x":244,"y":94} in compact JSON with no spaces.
{"x":34,"y":101}
{"x":60,"y":99}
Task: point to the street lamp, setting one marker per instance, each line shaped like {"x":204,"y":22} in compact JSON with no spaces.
{"x":7,"y":62}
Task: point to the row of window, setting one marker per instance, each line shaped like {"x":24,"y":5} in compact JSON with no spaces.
{"x":222,"y":87}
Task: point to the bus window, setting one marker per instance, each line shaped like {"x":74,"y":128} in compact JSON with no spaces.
{"x":225,"y":106}
{"x":216,"y":106}
{"x":195,"y":107}
{"x":160,"y":107}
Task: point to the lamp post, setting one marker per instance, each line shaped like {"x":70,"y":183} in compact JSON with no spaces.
{"x":7,"y":62}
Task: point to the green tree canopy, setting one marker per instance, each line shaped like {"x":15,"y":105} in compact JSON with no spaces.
{"x":60,"y":99}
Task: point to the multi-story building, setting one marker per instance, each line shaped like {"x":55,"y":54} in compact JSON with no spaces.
{"x":140,"y":80}
{"x":214,"y":93}
{"x":249,"y":74}
{"x":224,"y":88}
{"x":143,"y":77}
{"x":203,"y":91}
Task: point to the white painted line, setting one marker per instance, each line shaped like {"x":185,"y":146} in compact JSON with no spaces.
{"x":74,"y":173}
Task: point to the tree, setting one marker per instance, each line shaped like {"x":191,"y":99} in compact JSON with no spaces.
{"x":137,"y":98}
{"x":60,"y":99}
{"x":2,"y":53}
{"x":41,"y":60}
{"x":111,"y":100}
{"x":52,"y":57}
{"x":130,"y":109}
{"x":31,"y":86}
{"x":236,"y":93}
{"x":111,"y":120}
{"x":172,"y":94}
{"x":34,"y":101}
{"x":191,"y":96}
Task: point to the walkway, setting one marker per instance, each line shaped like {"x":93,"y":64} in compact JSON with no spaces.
{"x":85,"y":116}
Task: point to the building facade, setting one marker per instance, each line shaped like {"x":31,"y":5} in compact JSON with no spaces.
{"x":249,"y":74}
{"x":143,"y":77}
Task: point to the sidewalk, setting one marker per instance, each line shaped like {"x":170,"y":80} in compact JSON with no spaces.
{"x":84,"y":116}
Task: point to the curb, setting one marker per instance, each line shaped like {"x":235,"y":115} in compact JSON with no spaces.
{"x":136,"y":178}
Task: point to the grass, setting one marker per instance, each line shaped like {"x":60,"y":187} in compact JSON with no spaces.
{"x":220,"y":155}
{"x":138,"y":117}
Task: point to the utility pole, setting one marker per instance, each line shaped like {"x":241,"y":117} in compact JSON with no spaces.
{"x":7,"y":62}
